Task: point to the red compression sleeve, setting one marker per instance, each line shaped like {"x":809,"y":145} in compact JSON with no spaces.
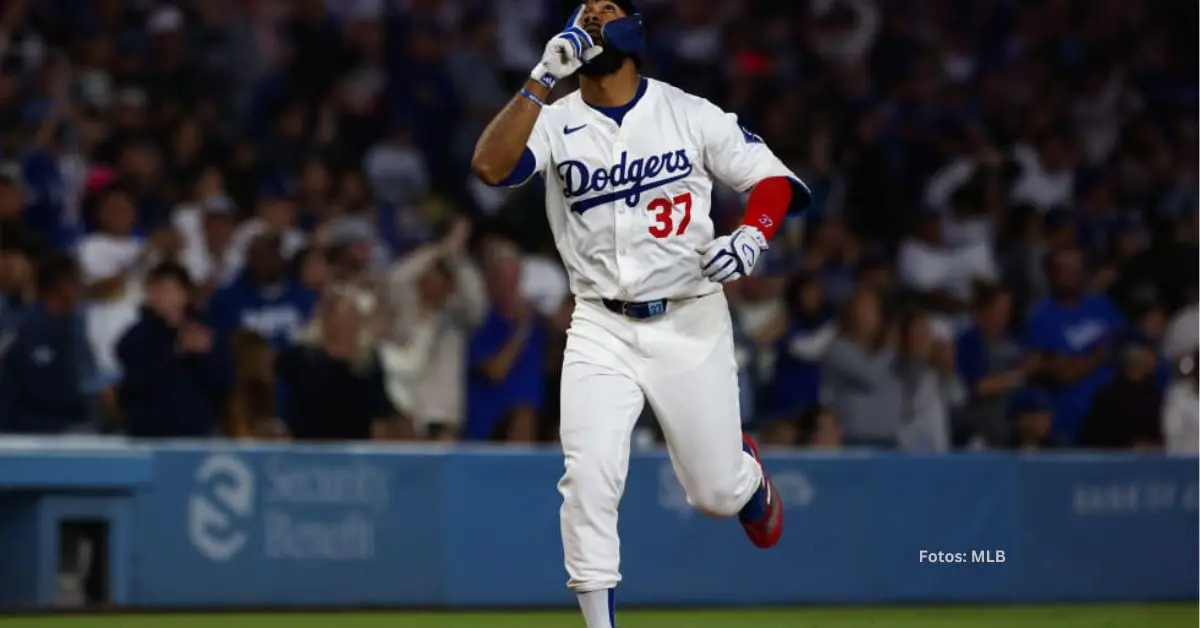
{"x":768,"y":204}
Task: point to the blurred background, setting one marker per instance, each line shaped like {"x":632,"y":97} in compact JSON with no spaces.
{"x":255,"y":219}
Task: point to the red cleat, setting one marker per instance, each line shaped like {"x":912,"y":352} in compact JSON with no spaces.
{"x":765,"y":531}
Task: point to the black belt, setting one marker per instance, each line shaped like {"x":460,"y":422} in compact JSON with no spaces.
{"x":637,"y":310}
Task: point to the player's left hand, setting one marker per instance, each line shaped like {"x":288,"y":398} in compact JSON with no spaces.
{"x":566,"y":52}
{"x":732,"y":257}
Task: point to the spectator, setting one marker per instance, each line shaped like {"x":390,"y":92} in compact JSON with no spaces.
{"x":1181,"y":409}
{"x":883,"y":108}
{"x":18,"y":287}
{"x":436,"y":299}
{"x":831,"y":253}
{"x":252,"y":412}
{"x":1070,"y":338}
{"x":336,"y":386}
{"x":1032,"y":413}
{"x":50,"y":383}
{"x":314,"y":200}
{"x":311,"y":268}
{"x":1181,"y":336}
{"x":1061,"y":229}
{"x":814,"y":427}
{"x":941,"y":275}
{"x":207,"y":225}
{"x":1165,"y":272}
{"x":263,"y":298}
{"x":44,"y":157}
{"x":989,"y":363}
{"x":396,"y":168}
{"x":1126,"y":241}
{"x":1124,"y":413}
{"x":172,"y":77}
{"x":114,"y":262}
{"x":140,"y":174}
{"x":1149,"y":322}
{"x":1045,"y":171}
{"x":874,"y":274}
{"x":930,"y":387}
{"x":13,"y":231}
{"x":1023,"y":258}
{"x":356,"y":257}
{"x":544,"y":282}
{"x":802,"y":339}
{"x":174,"y":381}
{"x":858,"y":382}
{"x":245,"y":175}
{"x":967,"y":227}
{"x":505,"y":357}
{"x":356,"y":200}
{"x":482,"y":89}
{"x":844,"y":31}
{"x":274,"y":215}
{"x":357,"y":254}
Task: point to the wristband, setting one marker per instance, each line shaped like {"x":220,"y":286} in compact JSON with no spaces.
{"x":528,"y":94}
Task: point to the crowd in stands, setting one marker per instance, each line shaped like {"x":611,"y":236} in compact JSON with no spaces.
{"x":255,"y":219}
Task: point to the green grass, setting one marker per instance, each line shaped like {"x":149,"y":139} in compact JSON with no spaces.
{"x":1123,"y":616}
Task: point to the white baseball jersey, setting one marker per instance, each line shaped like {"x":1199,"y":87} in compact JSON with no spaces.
{"x":629,"y":204}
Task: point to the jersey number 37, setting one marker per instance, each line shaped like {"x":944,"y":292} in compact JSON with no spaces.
{"x":664,"y":215}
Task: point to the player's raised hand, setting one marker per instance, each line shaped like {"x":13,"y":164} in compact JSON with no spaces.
{"x":732,"y":257}
{"x":566,"y":52}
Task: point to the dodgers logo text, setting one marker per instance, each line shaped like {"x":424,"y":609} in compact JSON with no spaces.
{"x":630,"y":177}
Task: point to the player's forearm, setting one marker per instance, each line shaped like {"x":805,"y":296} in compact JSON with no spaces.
{"x":1066,"y":370}
{"x":769,"y":203}
{"x":998,"y":383}
{"x":503,"y":141}
{"x":497,"y":367}
{"x":107,"y":287}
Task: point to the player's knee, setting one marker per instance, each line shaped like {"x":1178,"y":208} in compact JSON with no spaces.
{"x":717,"y":501}
{"x":589,"y":483}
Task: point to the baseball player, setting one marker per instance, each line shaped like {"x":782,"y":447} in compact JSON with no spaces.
{"x":629,"y":164}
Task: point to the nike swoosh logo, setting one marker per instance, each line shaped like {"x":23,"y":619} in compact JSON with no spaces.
{"x":569,"y":130}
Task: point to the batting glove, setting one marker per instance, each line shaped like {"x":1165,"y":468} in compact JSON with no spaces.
{"x":566,"y":52}
{"x":732,"y":257}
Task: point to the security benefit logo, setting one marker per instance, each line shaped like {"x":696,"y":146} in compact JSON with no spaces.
{"x":219,"y":509}
{"x":290,"y":507}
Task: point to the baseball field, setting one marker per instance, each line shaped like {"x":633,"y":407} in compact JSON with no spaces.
{"x":1123,"y":616}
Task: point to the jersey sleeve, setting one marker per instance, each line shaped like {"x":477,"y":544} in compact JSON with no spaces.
{"x":535,"y":157}
{"x":736,"y":156}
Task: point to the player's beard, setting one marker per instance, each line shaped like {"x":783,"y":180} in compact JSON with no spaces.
{"x":607,"y":62}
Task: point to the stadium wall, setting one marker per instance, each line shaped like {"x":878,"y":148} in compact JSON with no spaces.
{"x":227,"y":525}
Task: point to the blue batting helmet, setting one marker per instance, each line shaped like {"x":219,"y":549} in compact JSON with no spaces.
{"x":626,"y":34}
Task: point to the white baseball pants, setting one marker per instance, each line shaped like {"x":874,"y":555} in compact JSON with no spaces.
{"x":683,"y":364}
